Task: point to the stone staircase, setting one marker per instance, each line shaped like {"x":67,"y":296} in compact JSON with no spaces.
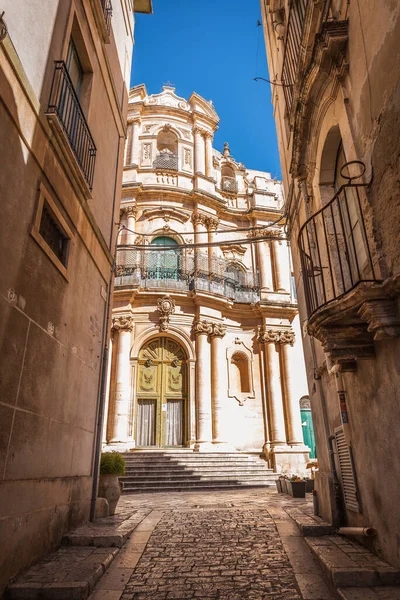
{"x":185,"y":470}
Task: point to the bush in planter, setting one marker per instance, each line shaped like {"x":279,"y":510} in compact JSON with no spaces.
{"x":112,"y":465}
{"x":296,"y":487}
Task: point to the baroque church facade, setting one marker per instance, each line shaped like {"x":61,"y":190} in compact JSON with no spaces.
{"x":204,"y":352}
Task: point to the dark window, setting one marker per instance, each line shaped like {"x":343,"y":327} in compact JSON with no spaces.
{"x":54,"y":236}
{"x":74,"y":68}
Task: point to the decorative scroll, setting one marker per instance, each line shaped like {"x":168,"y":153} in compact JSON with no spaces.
{"x":202,"y":327}
{"x":122,"y":323}
{"x":275,"y":336}
{"x":218,"y":330}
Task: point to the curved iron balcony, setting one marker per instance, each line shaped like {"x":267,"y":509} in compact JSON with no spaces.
{"x":228,"y":184}
{"x":334,"y":249}
{"x":166,"y":160}
{"x":181,"y":271}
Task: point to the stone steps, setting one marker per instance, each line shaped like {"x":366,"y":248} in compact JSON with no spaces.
{"x":185,"y":470}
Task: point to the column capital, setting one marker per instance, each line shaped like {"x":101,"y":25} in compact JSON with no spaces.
{"x":212,"y":223}
{"x":134,"y":121}
{"x":218,"y":330}
{"x":122,"y":323}
{"x":198,"y":218}
{"x":198,"y":130}
{"x":129,"y":211}
{"x":275,"y":336}
{"x":202,"y":326}
{"x":208,"y":135}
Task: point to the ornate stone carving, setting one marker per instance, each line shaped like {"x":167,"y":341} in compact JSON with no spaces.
{"x":122,"y":323}
{"x":265,"y":232}
{"x":218,"y":330}
{"x":166,"y":307}
{"x":212,"y":223}
{"x":203,"y":326}
{"x":128,"y":211}
{"x":275,"y":336}
{"x":187,"y":157}
{"x":198,"y":217}
{"x":146,"y":151}
{"x":382,"y":317}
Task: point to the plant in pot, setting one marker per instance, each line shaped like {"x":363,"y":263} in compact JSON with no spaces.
{"x":112,"y":466}
{"x":296,"y":487}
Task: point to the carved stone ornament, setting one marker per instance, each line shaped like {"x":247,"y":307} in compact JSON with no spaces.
{"x":274,"y":336}
{"x":122,"y":323}
{"x":218,"y":330}
{"x":198,"y":217}
{"x":212,"y":223}
{"x":128,"y":211}
{"x":166,"y":307}
{"x":202,"y":327}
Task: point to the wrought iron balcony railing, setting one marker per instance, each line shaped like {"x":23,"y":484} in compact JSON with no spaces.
{"x":291,"y":55}
{"x":64,"y":103}
{"x":166,"y":160}
{"x":180,"y":270}
{"x":107,"y":12}
{"x":334,"y":249}
{"x":228,"y":184}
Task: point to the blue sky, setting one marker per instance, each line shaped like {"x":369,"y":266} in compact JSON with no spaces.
{"x":210,"y":46}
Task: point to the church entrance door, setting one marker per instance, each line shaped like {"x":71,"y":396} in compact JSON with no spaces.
{"x":161,"y":393}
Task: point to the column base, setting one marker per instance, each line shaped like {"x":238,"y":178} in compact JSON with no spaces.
{"x":222,"y":447}
{"x":204,"y":447}
{"x":118,"y":446}
{"x":290,"y":459}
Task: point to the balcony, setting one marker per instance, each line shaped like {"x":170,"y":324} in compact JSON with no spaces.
{"x":181,"y":271}
{"x":291,"y":56}
{"x":228,"y":184}
{"x":348,"y":304}
{"x":166,"y":160}
{"x":102,"y":10}
{"x":70,"y":127}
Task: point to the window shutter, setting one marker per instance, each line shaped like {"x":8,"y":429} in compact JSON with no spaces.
{"x":347,"y":473}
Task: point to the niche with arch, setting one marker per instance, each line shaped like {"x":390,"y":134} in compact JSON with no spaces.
{"x":167,"y":150}
{"x":240,"y":372}
{"x":228,"y":179}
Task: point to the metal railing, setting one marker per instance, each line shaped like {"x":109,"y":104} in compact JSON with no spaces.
{"x":107,"y":12}
{"x":334,"y":249}
{"x":291,"y":55}
{"x":180,"y":270}
{"x":64,"y":103}
{"x":166,"y":160}
{"x":229,"y":184}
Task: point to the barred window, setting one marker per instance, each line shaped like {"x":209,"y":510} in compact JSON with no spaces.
{"x":53,"y":234}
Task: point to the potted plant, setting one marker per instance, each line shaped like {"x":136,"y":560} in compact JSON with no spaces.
{"x":112,"y":466}
{"x":296,"y":487}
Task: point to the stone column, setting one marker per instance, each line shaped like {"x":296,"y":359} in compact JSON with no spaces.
{"x":219,"y":384}
{"x":200,"y":235}
{"x":107,"y":393}
{"x":272,"y":371}
{"x":202,"y":330}
{"x":281,"y":266}
{"x":265,"y":265}
{"x":212,"y":225}
{"x":135,"y":142}
{"x":199,"y":152}
{"x":290,"y":399}
{"x":122,"y":326}
{"x":129,"y":214}
{"x":209,"y":165}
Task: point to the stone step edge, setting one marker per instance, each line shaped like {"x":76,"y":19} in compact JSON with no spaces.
{"x":366,"y":593}
{"x":188,"y":488}
{"x":308,"y":526}
{"x":62,"y":590}
{"x":347,"y":577}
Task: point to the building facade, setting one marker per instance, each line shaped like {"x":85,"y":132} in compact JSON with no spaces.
{"x":64,"y":77}
{"x":204,"y":353}
{"x":335,"y":70}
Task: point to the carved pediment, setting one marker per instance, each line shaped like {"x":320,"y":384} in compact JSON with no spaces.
{"x":166,"y":214}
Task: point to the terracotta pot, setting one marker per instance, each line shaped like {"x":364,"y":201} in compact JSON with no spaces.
{"x":110,"y":489}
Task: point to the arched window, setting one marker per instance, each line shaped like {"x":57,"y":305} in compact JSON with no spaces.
{"x":240,"y":373}
{"x":164,"y":264}
{"x":235,"y":277}
{"x":228,"y":178}
{"x":167,"y":150}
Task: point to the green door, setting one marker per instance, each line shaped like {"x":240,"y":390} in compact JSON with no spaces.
{"x":308,"y":430}
{"x":164,"y":264}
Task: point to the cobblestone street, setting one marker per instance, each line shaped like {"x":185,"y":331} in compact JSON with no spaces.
{"x":225,"y":545}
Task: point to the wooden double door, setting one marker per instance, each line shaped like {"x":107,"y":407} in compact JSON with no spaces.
{"x":161,"y":394}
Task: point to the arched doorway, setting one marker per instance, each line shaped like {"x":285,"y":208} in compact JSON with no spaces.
{"x":161,"y":394}
{"x":307,"y":423}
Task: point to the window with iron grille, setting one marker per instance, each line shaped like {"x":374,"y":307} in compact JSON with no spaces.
{"x":53,"y":234}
